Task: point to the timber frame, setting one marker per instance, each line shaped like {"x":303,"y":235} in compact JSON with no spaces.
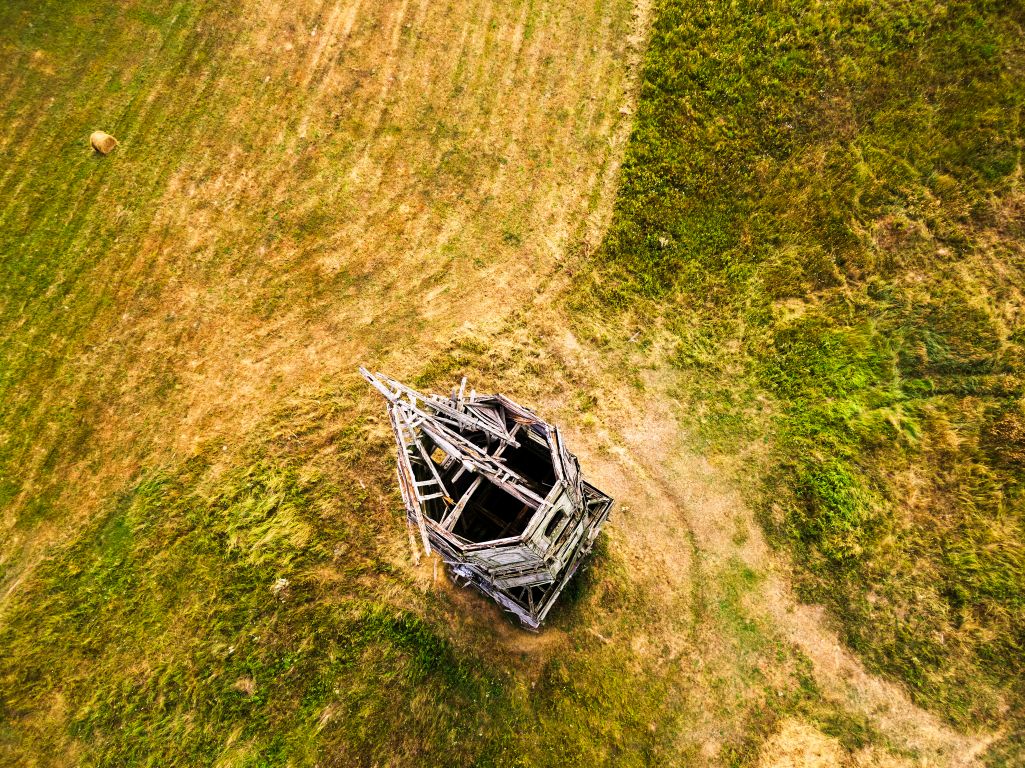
{"x":493,"y":488}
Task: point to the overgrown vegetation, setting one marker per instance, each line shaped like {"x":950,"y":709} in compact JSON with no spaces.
{"x":824,"y":205}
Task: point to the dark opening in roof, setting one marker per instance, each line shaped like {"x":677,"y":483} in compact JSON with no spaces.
{"x":492,"y":514}
{"x":532,"y":462}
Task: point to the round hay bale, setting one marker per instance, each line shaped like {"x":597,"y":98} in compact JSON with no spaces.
{"x":102,"y":142}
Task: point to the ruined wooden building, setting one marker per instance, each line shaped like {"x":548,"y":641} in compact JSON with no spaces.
{"x":494,"y":490}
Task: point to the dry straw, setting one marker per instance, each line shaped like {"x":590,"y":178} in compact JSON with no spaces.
{"x":102,"y":142}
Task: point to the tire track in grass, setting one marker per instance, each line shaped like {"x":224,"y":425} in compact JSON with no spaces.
{"x":683,"y":532}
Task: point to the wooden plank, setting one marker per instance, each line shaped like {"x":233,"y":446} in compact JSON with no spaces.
{"x":489,"y":412}
{"x":495,"y":456}
{"x":453,"y":516}
{"x":524,"y":580}
{"x":522,"y":493}
{"x":443,"y":491}
{"x":439,"y":404}
{"x":378,"y":385}
{"x":405,"y":466}
{"x":379,"y":380}
{"x":570,"y":467}
{"x":500,"y":474}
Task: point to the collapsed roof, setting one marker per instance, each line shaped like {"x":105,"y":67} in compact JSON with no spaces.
{"x":493,"y":488}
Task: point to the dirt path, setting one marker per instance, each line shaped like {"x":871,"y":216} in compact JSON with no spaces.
{"x":680,"y":509}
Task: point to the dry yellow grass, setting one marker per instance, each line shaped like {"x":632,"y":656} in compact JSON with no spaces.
{"x":367,"y":178}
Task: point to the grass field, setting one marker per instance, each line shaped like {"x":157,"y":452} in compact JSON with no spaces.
{"x":824,"y":207}
{"x":763,"y":262}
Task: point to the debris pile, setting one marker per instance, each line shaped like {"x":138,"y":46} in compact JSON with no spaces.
{"x":494,"y":490}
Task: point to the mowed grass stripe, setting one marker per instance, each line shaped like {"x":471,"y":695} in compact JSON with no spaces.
{"x":62,"y":172}
{"x":247,"y":223}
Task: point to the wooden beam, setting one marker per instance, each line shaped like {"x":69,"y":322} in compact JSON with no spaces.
{"x":449,"y":523}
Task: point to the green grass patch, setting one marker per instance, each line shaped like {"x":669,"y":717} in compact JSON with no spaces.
{"x":243,"y":609}
{"x":823,"y":203}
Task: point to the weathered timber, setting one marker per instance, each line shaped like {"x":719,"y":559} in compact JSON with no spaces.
{"x":492,"y":487}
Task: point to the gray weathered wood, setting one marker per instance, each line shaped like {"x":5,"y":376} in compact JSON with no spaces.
{"x":523,"y":572}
